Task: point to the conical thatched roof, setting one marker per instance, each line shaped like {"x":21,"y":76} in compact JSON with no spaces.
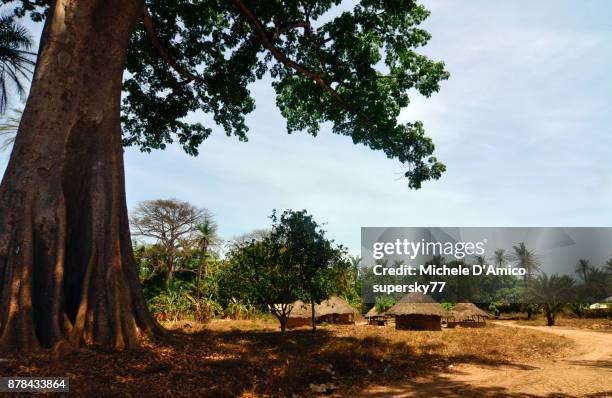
{"x":300,"y":310}
{"x":451,"y":314}
{"x":469,"y":310}
{"x":416,"y":304}
{"x":373,"y":312}
{"x":419,"y":298}
{"x":334,"y":305}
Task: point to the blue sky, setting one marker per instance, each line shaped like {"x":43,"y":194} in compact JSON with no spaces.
{"x":523,"y":125}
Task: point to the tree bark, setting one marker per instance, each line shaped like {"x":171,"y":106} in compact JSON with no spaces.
{"x":67,"y":274}
{"x":550,"y":318}
{"x":283,"y":324}
{"x":170,"y":269}
{"x":201,"y":269}
{"x":313,"y":316}
{"x":282,"y":315}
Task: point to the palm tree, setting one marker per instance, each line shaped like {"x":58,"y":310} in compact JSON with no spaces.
{"x":608,"y":266}
{"x":355,"y":262}
{"x":16,"y":62}
{"x":552,"y":294}
{"x":525,"y":258}
{"x":582,"y":269}
{"x":437,"y":260}
{"x":500,"y":258}
{"x":608,"y":270}
{"x":8,"y":129}
{"x":207,"y":236}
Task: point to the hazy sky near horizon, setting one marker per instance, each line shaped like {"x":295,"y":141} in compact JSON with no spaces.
{"x":523,"y":125}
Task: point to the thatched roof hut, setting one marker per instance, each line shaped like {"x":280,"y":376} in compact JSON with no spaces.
{"x":467,"y":315}
{"x":417,"y":311}
{"x":300,"y":315}
{"x":373,"y":313}
{"x":335,"y":310}
{"x":418,"y":304}
{"x":469,"y":310}
{"x":375,"y":317}
{"x":300,"y":309}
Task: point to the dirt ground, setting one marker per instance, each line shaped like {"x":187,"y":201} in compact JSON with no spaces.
{"x":585,"y":371}
{"x":597,"y":324}
{"x":252,"y":359}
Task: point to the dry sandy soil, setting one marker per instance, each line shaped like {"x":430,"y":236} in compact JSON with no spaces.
{"x":251,"y":359}
{"x":596,"y":324}
{"x":586,"y":371}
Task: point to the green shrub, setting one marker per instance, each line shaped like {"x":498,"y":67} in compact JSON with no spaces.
{"x":206,"y":309}
{"x":383,"y":303}
{"x":171,"y":305}
{"x":237,"y":309}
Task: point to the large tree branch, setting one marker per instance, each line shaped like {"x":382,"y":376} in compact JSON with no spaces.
{"x":262,"y":35}
{"x":279,"y":31}
{"x":189,"y":77}
{"x":308,"y":31}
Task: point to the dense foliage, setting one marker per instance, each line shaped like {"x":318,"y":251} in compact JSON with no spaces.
{"x":351,"y":66}
{"x":248,"y":275}
{"x":266,"y":271}
{"x":294,"y":261}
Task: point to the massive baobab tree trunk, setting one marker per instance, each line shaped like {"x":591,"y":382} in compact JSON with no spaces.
{"x":66,"y":267}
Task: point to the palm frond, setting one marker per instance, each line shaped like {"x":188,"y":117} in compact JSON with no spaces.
{"x":13,"y":34}
{"x":8,"y":129}
{"x":16,"y":62}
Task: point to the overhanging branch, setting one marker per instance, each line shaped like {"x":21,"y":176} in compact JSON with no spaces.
{"x":283,"y":29}
{"x":189,"y":77}
{"x":262,"y":35}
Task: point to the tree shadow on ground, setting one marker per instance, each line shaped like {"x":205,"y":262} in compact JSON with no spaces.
{"x":439,"y":385}
{"x":604,"y":364}
{"x":231,"y":363}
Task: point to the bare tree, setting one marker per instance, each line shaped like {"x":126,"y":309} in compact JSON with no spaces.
{"x":172,"y":223}
{"x":247,"y":238}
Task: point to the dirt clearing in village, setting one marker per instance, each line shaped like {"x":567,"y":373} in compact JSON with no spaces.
{"x":585,"y":370}
{"x":252,"y":359}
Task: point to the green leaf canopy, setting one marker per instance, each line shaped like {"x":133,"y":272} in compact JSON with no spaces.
{"x":352,"y":66}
